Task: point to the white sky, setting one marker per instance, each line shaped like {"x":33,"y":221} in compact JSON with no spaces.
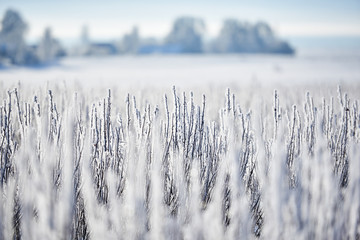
{"x":110,"y":19}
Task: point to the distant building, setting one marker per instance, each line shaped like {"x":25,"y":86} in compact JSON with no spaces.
{"x":100,"y":49}
{"x":160,"y":49}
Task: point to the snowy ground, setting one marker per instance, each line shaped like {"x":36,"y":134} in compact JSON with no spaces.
{"x":195,"y":71}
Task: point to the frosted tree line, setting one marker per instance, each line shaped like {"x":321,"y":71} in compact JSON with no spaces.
{"x":186,"y":36}
{"x":13,"y":47}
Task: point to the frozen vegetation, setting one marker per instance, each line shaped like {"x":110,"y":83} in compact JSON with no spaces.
{"x":175,"y":164}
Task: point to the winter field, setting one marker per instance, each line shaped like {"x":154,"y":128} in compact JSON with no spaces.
{"x":242,"y":147}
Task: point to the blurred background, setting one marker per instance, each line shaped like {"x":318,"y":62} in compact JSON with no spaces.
{"x":181,"y":41}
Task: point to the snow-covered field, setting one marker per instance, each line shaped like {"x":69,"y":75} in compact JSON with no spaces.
{"x":242,"y":147}
{"x":198,"y":70}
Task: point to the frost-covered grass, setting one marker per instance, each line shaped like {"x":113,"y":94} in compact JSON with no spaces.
{"x":173,"y":164}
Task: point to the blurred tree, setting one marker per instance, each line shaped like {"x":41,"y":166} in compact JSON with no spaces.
{"x":49,"y":48}
{"x":12,"y":43}
{"x":85,"y":39}
{"x":130,"y":42}
{"x":237,"y":37}
{"x":187,"y":33}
